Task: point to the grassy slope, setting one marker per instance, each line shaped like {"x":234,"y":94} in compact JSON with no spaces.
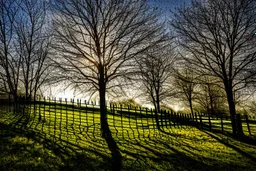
{"x":55,"y":144}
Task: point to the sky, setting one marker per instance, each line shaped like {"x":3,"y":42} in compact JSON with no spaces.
{"x":167,"y":5}
{"x":164,"y":5}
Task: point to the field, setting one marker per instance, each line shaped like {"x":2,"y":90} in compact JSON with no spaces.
{"x":68,"y":137}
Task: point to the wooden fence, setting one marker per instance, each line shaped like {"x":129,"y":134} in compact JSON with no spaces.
{"x":63,"y":113}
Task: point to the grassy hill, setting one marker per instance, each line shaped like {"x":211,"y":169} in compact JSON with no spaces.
{"x":68,"y":138}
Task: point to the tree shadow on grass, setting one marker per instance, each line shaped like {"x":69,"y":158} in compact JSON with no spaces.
{"x":24,"y":149}
{"x":228,"y":143}
{"x":251,"y":140}
{"x":166,"y":154}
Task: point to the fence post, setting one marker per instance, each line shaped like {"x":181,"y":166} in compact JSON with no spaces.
{"x":130,"y":122}
{"x":239,"y":124}
{"x":80,"y":117}
{"x":173,"y":118}
{"x":40,"y":117}
{"x":165,"y":118}
{"x":183,"y":118}
{"x":147,"y":122}
{"x":44,"y":109}
{"x":142,"y":126}
{"x":175,"y":121}
{"x":55,"y":120}
{"x":161,"y":112}
{"x":73,"y":110}
{"x":193,"y":118}
{"x":93,"y":120}
{"x":221,"y":122}
{"x":248,"y":126}
{"x":190,"y":118}
{"x":200,"y":117}
{"x":137,"y":121}
{"x":196,"y":119}
{"x":186,"y":119}
{"x":60,"y":101}
{"x":210,"y":125}
{"x":169,"y":118}
{"x":152,"y":115}
{"x":180,"y":119}
{"x":66,"y":103}
{"x":121,"y":112}
{"x":114,"y":121}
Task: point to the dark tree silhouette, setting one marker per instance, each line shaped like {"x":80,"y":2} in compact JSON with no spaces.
{"x":185,"y":83}
{"x":24,"y":47}
{"x":219,"y":35}
{"x":97,"y":41}
{"x":154,"y":71}
{"x":32,"y":45}
{"x":9,"y":64}
{"x":211,"y":95}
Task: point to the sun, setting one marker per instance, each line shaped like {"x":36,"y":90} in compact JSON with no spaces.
{"x":177,"y":107}
{"x":69,"y":94}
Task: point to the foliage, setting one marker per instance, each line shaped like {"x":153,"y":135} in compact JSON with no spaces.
{"x":126,"y":102}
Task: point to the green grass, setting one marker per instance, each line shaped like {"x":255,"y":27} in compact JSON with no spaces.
{"x":69,"y":139}
{"x":216,"y":124}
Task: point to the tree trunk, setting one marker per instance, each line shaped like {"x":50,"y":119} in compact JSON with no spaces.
{"x":106,"y":133}
{"x":211,"y":100}
{"x":236,"y":125}
{"x":156,"y":116}
{"x":103,"y":113}
{"x":191,"y":106}
{"x":158,"y":102}
{"x":211,"y":105}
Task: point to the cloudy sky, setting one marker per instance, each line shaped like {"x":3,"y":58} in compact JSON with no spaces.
{"x":167,"y":5}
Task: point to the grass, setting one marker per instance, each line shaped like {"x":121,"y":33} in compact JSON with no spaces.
{"x":68,"y":138}
{"x":216,"y":124}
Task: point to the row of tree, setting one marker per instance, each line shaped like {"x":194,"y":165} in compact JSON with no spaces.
{"x":205,"y":53}
{"x":24,"y":46}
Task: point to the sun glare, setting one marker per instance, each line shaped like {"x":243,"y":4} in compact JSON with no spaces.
{"x":65,"y":94}
{"x":177,"y":108}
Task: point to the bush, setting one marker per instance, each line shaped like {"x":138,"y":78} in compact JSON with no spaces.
{"x":127,"y":102}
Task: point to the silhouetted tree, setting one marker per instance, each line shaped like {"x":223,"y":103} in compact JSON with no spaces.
{"x":219,"y":35}
{"x":97,"y":41}
{"x":185,"y":83}
{"x":211,"y":95}
{"x":24,"y":46}
{"x":154,"y":72}
{"x":9,"y":63}
{"x":32,"y":45}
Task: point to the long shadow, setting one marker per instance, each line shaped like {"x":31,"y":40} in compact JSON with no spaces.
{"x":73,"y":156}
{"x":245,"y":154}
{"x":205,"y":127}
{"x":242,"y":138}
{"x":213,"y":133}
{"x":166,"y":156}
{"x":68,"y":156}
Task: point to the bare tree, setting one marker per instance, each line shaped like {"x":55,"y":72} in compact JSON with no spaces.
{"x":32,"y":45}
{"x":97,"y":41}
{"x":9,"y":64}
{"x":219,"y":36}
{"x":211,"y":95}
{"x":155,"y":67}
{"x":185,"y":83}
